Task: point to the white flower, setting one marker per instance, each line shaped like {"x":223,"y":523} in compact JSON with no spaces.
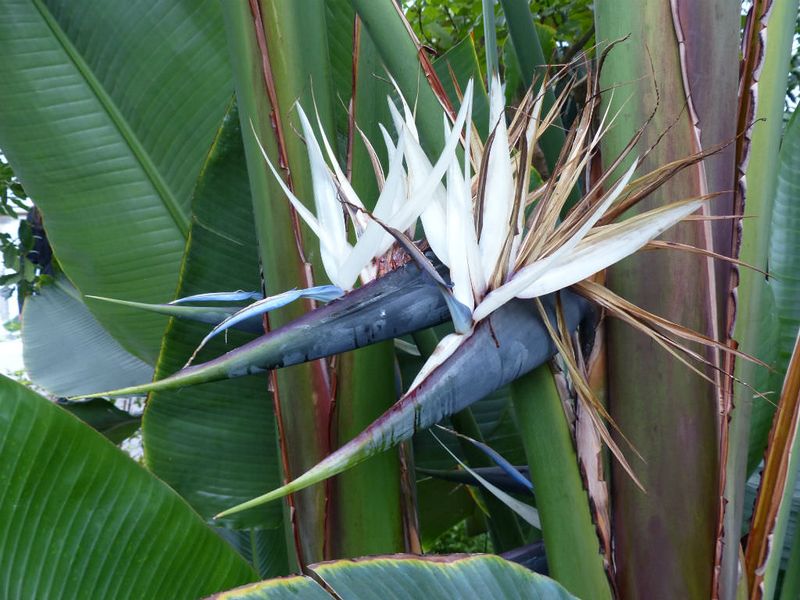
{"x":499,"y":240}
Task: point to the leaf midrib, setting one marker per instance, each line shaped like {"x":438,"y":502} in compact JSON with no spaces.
{"x":169,"y":201}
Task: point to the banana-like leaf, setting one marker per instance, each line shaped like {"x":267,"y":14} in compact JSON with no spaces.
{"x":400,"y":577}
{"x":784,"y":252}
{"x":512,"y":342}
{"x":106,"y":113}
{"x":67,"y":351}
{"x":400,"y":302}
{"x":83,"y":520}
{"x":205,"y":446}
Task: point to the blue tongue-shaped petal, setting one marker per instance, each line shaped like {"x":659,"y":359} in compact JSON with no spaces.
{"x":237,"y":296}
{"x":497,"y":459}
{"x":401,"y":302}
{"x":323,"y":293}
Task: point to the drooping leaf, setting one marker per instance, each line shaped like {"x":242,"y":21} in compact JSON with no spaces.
{"x":506,"y":467}
{"x":400,"y":577}
{"x":83,"y":520}
{"x":528,"y":513}
{"x":494,"y":475}
{"x":67,"y":351}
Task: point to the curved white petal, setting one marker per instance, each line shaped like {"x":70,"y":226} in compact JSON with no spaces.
{"x":596,"y":252}
{"x":329,"y":210}
{"x":375,"y":240}
{"x":458,"y":239}
{"x":434,"y":217}
{"x":444,"y":349}
{"x":341,"y":179}
{"x":499,"y":191}
{"x":325,"y":240}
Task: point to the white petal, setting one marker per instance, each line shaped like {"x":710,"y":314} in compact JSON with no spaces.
{"x":375,"y":240}
{"x":409,"y":116}
{"x":457,"y":237}
{"x":434,"y":218}
{"x":341,"y":179}
{"x":443,"y":351}
{"x":387,"y":140}
{"x":605,"y":203}
{"x":305,"y":214}
{"x":596,"y":252}
{"x":329,"y":210}
{"x":499,"y":191}
{"x":394,"y":189}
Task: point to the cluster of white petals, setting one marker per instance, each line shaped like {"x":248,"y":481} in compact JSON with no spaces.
{"x":494,"y":249}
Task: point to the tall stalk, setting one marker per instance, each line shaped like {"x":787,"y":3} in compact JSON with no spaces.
{"x":664,"y":538}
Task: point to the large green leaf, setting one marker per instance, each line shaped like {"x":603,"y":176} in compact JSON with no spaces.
{"x":67,"y":351}
{"x":216,"y":442}
{"x":784,"y":250}
{"x":757,"y":328}
{"x":82,"y":520}
{"x":401,"y":577}
{"x":106,"y":113}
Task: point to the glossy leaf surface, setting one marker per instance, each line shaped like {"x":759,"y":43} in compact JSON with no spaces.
{"x":67,"y":351}
{"x":106,"y":113}
{"x":400,"y":577}
{"x":83,"y":520}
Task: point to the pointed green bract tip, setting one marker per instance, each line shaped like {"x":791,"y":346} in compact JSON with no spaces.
{"x":339,"y":461}
{"x":137,"y":390}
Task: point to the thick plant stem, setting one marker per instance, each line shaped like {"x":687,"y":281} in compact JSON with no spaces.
{"x":570,"y":539}
{"x":301,"y":390}
{"x":365,"y":514}
{"x":387,"y":28}
{"x":664,"y":539}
